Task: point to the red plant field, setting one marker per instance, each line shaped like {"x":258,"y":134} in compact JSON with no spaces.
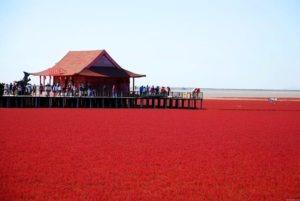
{"x":232,"y":150}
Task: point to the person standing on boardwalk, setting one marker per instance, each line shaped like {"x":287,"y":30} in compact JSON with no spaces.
{"x":34,"y":90}
{"x":113,"y":90}
{"x":168,"y":91}
{"x":59,"y":89}
{"x":41,"y":89}
{"x":48,"y":89}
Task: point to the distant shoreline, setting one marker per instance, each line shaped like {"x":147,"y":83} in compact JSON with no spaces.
{"x":213,"y":93}
{"x":233,"y":89}
{"x":241,"y":94}
{"x":252,"y":99}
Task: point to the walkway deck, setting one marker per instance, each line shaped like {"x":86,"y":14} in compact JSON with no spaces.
{"x":99,"y":102}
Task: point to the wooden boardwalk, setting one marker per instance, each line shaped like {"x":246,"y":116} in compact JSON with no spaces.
{"x":99,"y":102}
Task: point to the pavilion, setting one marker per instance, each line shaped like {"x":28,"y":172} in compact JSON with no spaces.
{"x":95,"y":68}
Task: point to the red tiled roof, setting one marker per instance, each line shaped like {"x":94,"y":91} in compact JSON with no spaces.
{"x":81,"y":62}
{"x":51,"y":71}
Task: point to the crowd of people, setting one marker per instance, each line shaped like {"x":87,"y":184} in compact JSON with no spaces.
{"x":147,"y":90}
{"x":166,"y":92}
{"x":69,"y":90}
{"x":18,"y":89}
{"x":85,"y":89}
{"x":56,"y":89}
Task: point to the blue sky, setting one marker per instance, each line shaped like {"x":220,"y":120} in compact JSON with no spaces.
{"x":192,"y":43}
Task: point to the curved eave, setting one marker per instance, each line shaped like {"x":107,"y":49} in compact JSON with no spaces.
{"x":138,"y":76}
{"x":134,"y":75}
{"x":91,"y":72}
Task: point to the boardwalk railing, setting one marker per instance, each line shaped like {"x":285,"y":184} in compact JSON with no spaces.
{"x":173,"y":94}
{"x":100,"y":102}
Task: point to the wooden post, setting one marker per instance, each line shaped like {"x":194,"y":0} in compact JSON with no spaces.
{"x":141,"y":102}
{"x":38,"y":100}
{"x":130,"y":102}
{"x":121,"y":101}
{"x":201,"y":103}
{"x":97,"y":101}
{"x":21,"y":101}
{"x":135,"y":102}
{"x":133,"y":86}
{"x":116,"y":102}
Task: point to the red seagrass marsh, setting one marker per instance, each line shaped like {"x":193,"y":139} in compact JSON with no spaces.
{"x":232,"y":150}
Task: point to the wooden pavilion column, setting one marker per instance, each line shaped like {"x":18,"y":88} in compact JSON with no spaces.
{"x":133,"y":86}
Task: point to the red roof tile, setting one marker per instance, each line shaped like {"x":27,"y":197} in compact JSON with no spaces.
{"x":81,"y":62}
